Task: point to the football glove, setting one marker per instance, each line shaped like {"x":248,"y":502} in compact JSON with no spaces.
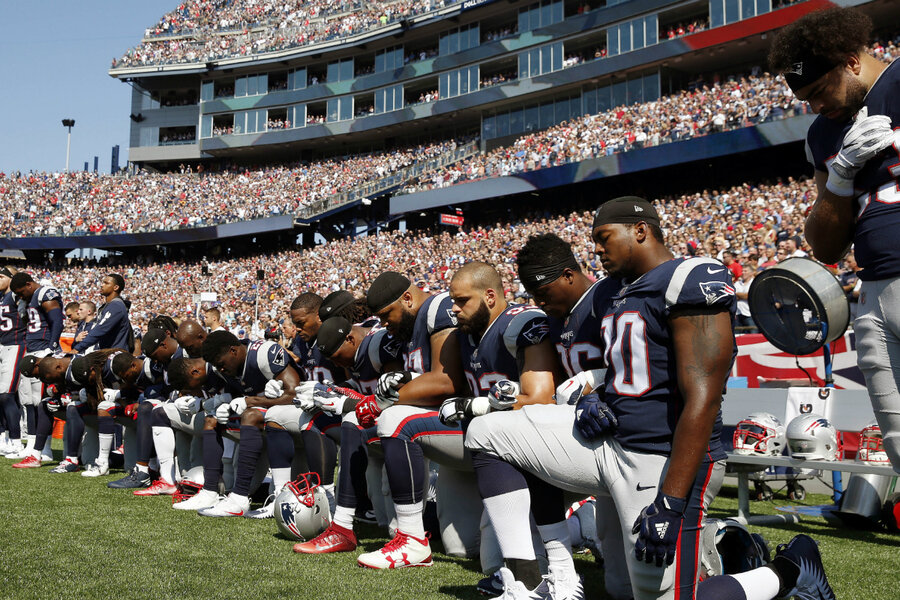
{"x":868,"y":136}
{"x":303,"y":395}
{"x":66,"y":399}
{"x":657,"y":529}
{"x":502,"y":395}
{"x":274,"y":389}
{"x":223,"y":413}
{"x":214,"y":402}
{"x":454,"y":410}
{"x":335,"y":400}
{"x":111,"y":395}
{"x":131,"y":410}
{"x":367,"y":410}
{"x":571,"y":390}
{"x":187,"y":405}
{"x":388,"y":389}
{"x":238,"y":405}
{"x":593,"y":417}
{"x":54,"y":404}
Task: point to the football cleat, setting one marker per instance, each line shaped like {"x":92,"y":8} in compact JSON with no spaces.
{"x":402,"y":551}
{"x":157,"y":488}
{"x":66,"y":466}
{"x":135,"y":479}
{"x":199,"y":501}
{"x":266,"y":511}
{"x":29,"y":462}
{"x":515,"y":590}
{"x":490,"y":586}
{"x":16,"y":451}
{"x":226,"y":507}
{"x":561,"y":584}
{"x":95,"y":470}
{"x":333,"y":539}
{"x":801,"y":556}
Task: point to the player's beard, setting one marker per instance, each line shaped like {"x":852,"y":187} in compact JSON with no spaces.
{"x":477,"y":323}
{"x":856,"y":95}
{"x":406,"y":326}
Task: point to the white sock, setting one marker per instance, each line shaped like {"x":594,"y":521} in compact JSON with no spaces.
{"x":48,"y":449}
{"x":558,"y":544}
{"x":142,"y":468}
{"x":329,"y":493}
{"x":4,"y":438}
{"x":409,"y":519}
{"x":280,"y":477}
{"x":29,"y":446}
{"x":164,"y":442}
{"x":758,"y":584}
{"x":106,"y":442}
{"x":343,"y":516}
{"x":510,"y":516}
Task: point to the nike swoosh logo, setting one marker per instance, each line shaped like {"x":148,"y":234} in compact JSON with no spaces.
{"x":641,"y":488}
{"x":236,"y":514}
{"x":710,"y":271}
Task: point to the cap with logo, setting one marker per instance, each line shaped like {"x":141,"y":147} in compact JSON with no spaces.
{"x":627,"y":209}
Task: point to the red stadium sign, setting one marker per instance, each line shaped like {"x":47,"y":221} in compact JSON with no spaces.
{"x":452,"y":220}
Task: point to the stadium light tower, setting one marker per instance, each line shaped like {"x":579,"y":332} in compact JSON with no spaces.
{"x":68,"y":123}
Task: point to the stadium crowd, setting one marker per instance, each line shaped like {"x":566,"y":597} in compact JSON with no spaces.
{"x":756,"y":224}
{"x":77,"y":203}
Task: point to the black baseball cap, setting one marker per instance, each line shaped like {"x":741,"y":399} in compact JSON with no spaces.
{"x":626,"y":209}
{"x":152,"y":339}
{"x":386,"y":289}
{"x":334,"y":303}
{"x":332,"y":334}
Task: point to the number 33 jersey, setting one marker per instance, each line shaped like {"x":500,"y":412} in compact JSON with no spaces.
{"x":641,"y":378}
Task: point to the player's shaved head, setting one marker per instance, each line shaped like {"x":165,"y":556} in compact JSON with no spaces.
{"x":480,"y":276}
{"x":190,"y":336}
{"x":189,"y":327}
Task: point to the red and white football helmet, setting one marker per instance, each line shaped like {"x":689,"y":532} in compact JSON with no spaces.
{"x":759,"y":433}
{"x":813,"y":437}
{"x":871,"y":445}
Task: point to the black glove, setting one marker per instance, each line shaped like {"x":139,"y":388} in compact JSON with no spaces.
{"x":593,"y":417}
{"x":657,"y":529}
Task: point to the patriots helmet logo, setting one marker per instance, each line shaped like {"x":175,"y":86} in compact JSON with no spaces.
{"x":714,"y":291}
{"x":452,"y":316}
{"x":537,"y":332}
{"x":796,"y":69}
{"x":279,"y":359}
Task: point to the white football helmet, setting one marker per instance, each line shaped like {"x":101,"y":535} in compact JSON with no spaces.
{"x":189,"y":486}
{"x":727,"y":547}
{"x":812,"y":437}
{"x":759,"y":433}
{"x":301,"y":508}
{"x":871,"y":445}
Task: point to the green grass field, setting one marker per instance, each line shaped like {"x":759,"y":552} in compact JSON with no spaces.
{"x":64,"y":536}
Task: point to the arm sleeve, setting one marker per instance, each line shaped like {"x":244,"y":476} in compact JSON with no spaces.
{"x":55,"y":319}
{"x":109,"y":319}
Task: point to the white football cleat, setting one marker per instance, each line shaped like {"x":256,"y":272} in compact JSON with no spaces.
{"x":95,"y":470}
{"x":16,"y":450}
{"x":199,"y":501}
{"x":267,"y":511}
{"x":561,"y":584}
{"x":402,"y":551}
{"x":226,"y":507}
{"x":516,"y":590}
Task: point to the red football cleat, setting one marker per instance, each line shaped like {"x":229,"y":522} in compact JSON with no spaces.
{"x":29,"y":462}
{"x":157,"y":488}
{"x":333,"y":539}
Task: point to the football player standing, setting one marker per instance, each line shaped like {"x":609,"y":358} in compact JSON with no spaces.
{"x":12,"y":349}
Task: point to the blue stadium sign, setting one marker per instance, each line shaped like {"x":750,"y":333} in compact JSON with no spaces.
{"x":470,"y":4}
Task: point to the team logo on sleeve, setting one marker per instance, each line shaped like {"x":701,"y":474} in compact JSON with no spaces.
{"x":714,"y":291}
{"x":451,"y":316}
{"x":279,"y":360}
{"x":536,"y":333}
{"x":392,"y":347}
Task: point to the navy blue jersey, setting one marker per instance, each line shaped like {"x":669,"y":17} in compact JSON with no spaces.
{"x":179,"y":353}
{"x":12,"y":325}
{"x":641,"y":379}
{"x":579,"y":337}
{"x":152,"y":373}
{"x":41,"y":334}
{"x":375,"y":350}
{"x":299,"y":347}
{"x":877,"y":184}
{"x":265,"y":360}
{"x":435,"y":314}
{"x":499,"y":353}
{"x":83,"y":326}
{"x":109,"y":330}
{"x":318,"y":368}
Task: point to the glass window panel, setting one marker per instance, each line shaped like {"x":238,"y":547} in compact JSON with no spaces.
{"x":546,"y":63}
{"x":379,"y":101}
{"x":731,"y":11}
{"x":347,"y":69}
{"x":524,"y":21}
{"x":346,"y":108}
{"x":651,"y":87}
{"x":575,"y":107}
{"x":651,"y":29}
{"x":625,"y":37}
{"x":534,"y":58}
{"x":443,"y":45}
{"x":547,"y":118}
{"x":240,"y":120}
{"x":561,"y":111}
{"x":474,"y":36}
{"x":206,"y":125}
{"x":556,"y":61}
{"x":488,"y":126}
{"x":474,"y":79}
{"x":240,"y":87}
{"x":379,"y":63}
{"x":252,"y":85}
{"x":454,"y":85}
{"x":535,"y":14}
{"x":618,"y":94}
{"x":262,"y":83}
{"x":398,"y":97}
{"x":300,"y":115}
{"x":763,"y":6}
{"x":635,"y":90}
{"x":453,"y":43}
{"x":532,"y":118}
{"x":523,"y":65}
{"x":444,"y":85}
{"x":612,"y":41}
{"x":637,"y":34}
{"x":716,"y":13}
{"x":748,"y":9}
{"x":516,"y":122}
{"x":207,"y":91}
{"x":502,"y":124}
{"x":331,"y":114}
{"x":546,"y":14}
{"x":299,"y":79}
{"x":589,"y":101}
{"x":604,"y":99}
{"x":558,"y":15}
{"x":463,"y":81}
{"x":334,"y":71}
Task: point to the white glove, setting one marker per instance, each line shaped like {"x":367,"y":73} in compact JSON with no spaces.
{"x":238,"y":405}
{"x":304,"y":395}
{"x":111,"y":395}
{"x":570,"y":390}
{"x":866,"y":138}
{"x":388,"y":389}
{"x":66,"y":399}
{"x":82,"y":395}
{"x":329,"y":399}
{"x":274,"y":389}
{"x":223,"y":414}
{"x":211,"y":404}
{"x":502,"y":395}
{"x":187,"y":405}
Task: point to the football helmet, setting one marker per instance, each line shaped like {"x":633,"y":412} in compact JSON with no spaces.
{"x":301,"y":508}
{"x":190,"y":484}
{"x":728,"y":548}
{"x":759,"y":433}
{"x":813,"y":437}
{"x":871,"y":445}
